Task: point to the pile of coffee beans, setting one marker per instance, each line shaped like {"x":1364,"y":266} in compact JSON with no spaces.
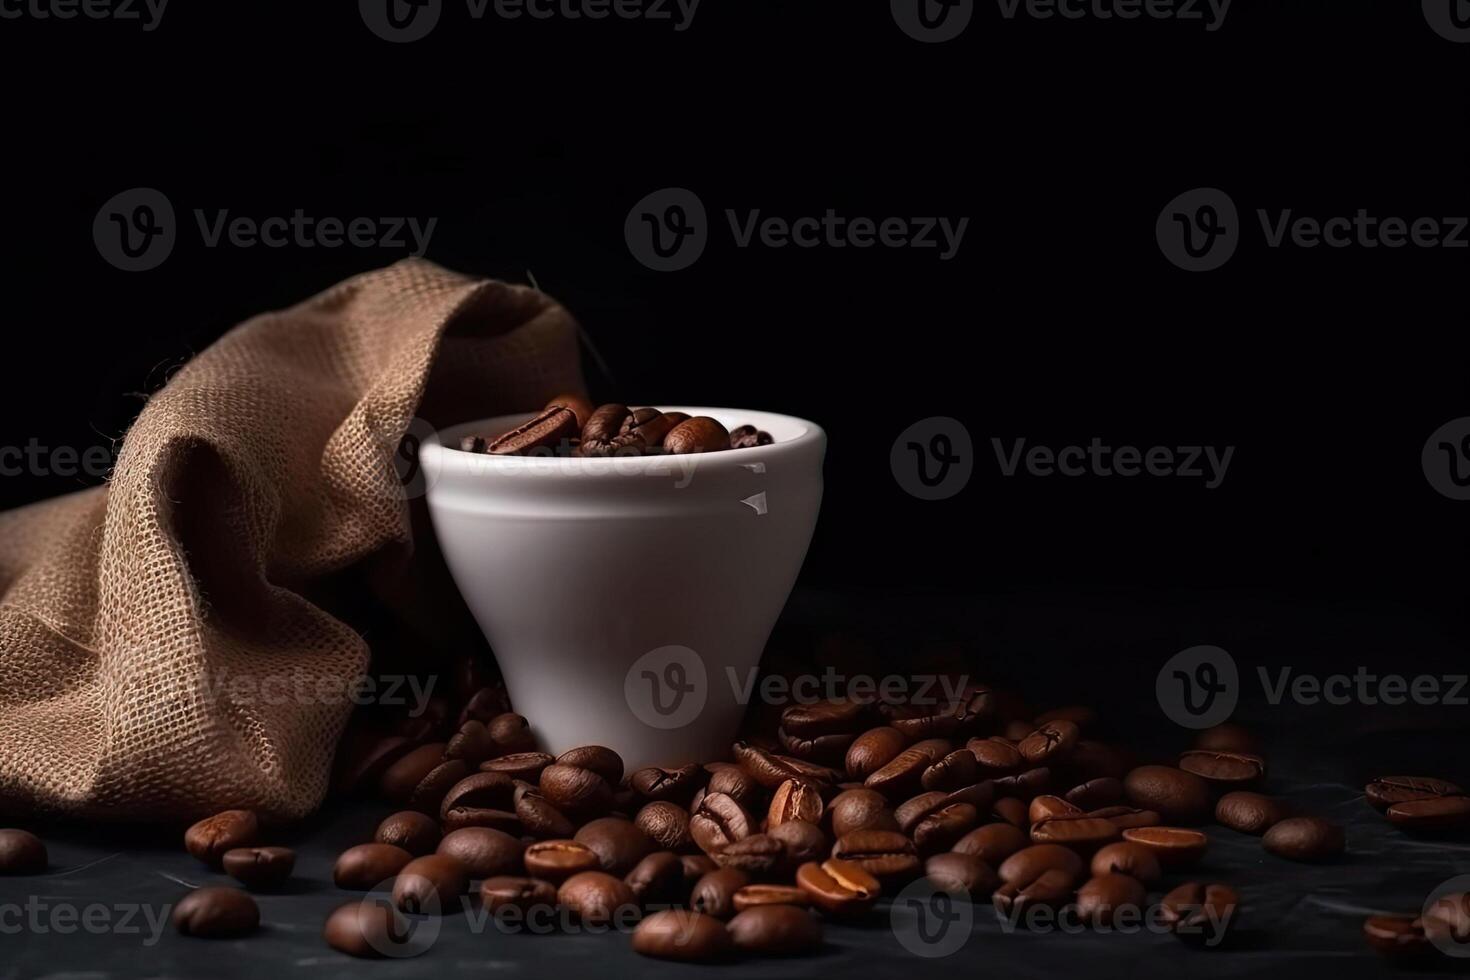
{"x":569,"y":426}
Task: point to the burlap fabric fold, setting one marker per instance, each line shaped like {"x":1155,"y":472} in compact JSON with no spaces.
{"x":158,"y":646}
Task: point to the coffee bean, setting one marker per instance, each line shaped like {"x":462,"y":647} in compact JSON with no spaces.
{"x":540,"y":819}
{"x":801,"y":840}
{"x":1179,"y":797}
{"x":1435,"y":814}
{"x":962,"y":874}
{"x":1083,"y":833}
{"x":1175,"y":847}
{"x":602,"y":434}
{"x":1025,"y":785}
{"x":368,"y":930}
{"x":902,"y":775}
{"x":911,"y":811}
{"x":700,"y":434}
{"x":719,"y":822}
{"x":734,"y":783}
{"x":519,"y":765}
{"x":216,"y":913}
{"x":363,"y":759}
{"x":696,"y":866}
{"x":1385,"y":791}
{"x":484,"y":706}
{"x":21,"y":853}
{"x":837,"y":887}
{"x":824,"y":718}
{"x":1095,"y":793}
{"x":428,"y":795}
{"x":1126,"y":817}
{"x":747,"y":436}
{"x":995,"y":756}
{"x":795,"y":799}
{"x":1233,"y":768}
{"x":368,"y":866}
{"x":872,"y":750}
{"x":1128,"y":858}
{"x":993,"y":843}
{"x":1028,"y":863}
{"x":657,"y":879}
{"x":1248,"y":813}
{"x":922,"y":721}
{"x":472,"y":744}
{"x":715,"y":892}
{"x":483,"y":852}
{"x":1227,"y":737}
{"x":942,"y":829}
{"x":1045,"y":807}
{"x":401,"y":778}
{"x":752,"y":895}
{"x":1305,"y":839}
{"x":1049,"y":743}
{"x":678,"y":934}
{"x":575,"y":790}
{"x":618,"y":843}
{"x":552,"y":427}
{"x":890,"y":857}
{"x":579,"y":406}
{"x":758,"y":855}
{"x":1012,"y":811}
{"x":1198,"y":913}
{"x":816,"y":748}
{"x":598,"y":758}
{"x":210,"y":838}
{"x":433,"y":884}
{"x":666,"y":824}
{"x":1400,"y":938}
{"x":417,"y":833}
{"x":511,"y":732}
{"x":860,"y":809}
{"x":1101,"y":899}
{"x":522,"y":894}
{"x":482,"y":799}
{"x":765,"y":768}
{"x":259,"y":867}
{"x":668,"y":784}
{"x":557,"y":860}
{"x":1052,"y":888}
{"x":776,"y":930}
{"x":955,"y":770}
{"x":597,"y":898}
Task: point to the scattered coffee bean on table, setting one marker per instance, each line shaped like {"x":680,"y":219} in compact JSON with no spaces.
{"x":680,"y":934}
{"x":1248,"y":813}
{"x":1305,"y":839}
{"x":21,"y":853}
{"x":216,"y":912}
{"x":776,"y":930}
{"x":261,"y":868}
{"x":210,"y":838}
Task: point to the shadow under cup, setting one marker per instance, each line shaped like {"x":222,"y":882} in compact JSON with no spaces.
{"x":628,"y":599}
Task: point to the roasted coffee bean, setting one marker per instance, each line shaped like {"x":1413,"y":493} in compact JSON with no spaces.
{"x":802,"y":841}
{"x":417,"y":833}
{"x":1198,"y":913}
{"x":942,"y":829}
{"x":618,"y":843}
{"x":696,"y":866}
{"x":1045,"y":807}
{"x":552,"y":427}
{"x":557,"y":860}
{"x":483,"y":852}
{"x":1305,"y":839}
{"x":747,"y":436}
{"x":922,"y":721}
{"x":995,"y":756}
{"x":431,"y":885}
{"x":666,"y":824}
{"x":678,"y":934}
{"x":1248,"y":813}
{"x":523,"y":894}
{"x":872,"y":750}
{"x":902,"y":775}
{"x":210,"y":838}
{"x":597,"y":898}
{"x":734,"y":783}
{"x":484,"y":706}
{"x":816,"y":748}
{"x":23,"y":853}
{"x":1083,"y":833}
{"x":579,"y":406}
{"x":824,"y":718}
{"x":1052,"y":888}
{"x":668,"y":784}
{"x":519,"y":765}
{"x":1175,"y":847}
{"x":911,"y":811}
{"x":598,"y":758}
{"x":955,"y":770}
{"x":1385,"y":791}
{"x":428,"y":795}
{"x":1400,"y":938}
{"x":657,"y":879}
{"x":1179,"y":797}
{"x":714,"y":893}
{"x":767,"y":769}
{"x":472,"y":744}
{"x":363,"y":759}
{"x":839,"y":888}
{"x":719,"y":822}
{"x":511,"y":732}
{"x":540,"y":818}
{"x":401,"y":778}
{"x":860,"y":809}
{"x":1127,"y":858}
{"x":1095,"y":793}
{"x":887,"y":856}
{"x":1012,"y":811}
{"x":993,"y":843}
{"x":602,"y":434}
{"x":758,"y":855}
{"x":1125,"y":817}
{"x":795,"y":799}
{"x":1028,"y":863}
{"x":1023,"y":786}
{"x":1432,"y":815}
{"x":216,"y":913}
{"x":1050,"y":743}
{"x":575,"y":790}
{"x":1231,"y":768}
{"x":752,"y":895}
{"x":368,"y":866}
{"x":776,"y":930}
{"x":369,"y":930}
{"x":700,"y":434}
{"x":1102,"y":898}
{"x":962,"y":874}
{"x":483,"y":791}
{"x":1227,"y":737}
{"x":261,"y":868}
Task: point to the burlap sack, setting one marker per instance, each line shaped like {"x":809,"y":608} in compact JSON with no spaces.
{"x":155,"y":635}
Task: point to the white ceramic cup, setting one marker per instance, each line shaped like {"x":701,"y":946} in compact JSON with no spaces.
{"x":628,"y":599}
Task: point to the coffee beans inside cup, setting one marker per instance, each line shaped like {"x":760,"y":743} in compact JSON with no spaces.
{"x":569,"y":426}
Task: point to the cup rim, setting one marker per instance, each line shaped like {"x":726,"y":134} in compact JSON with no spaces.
{"x":443,"y":447}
